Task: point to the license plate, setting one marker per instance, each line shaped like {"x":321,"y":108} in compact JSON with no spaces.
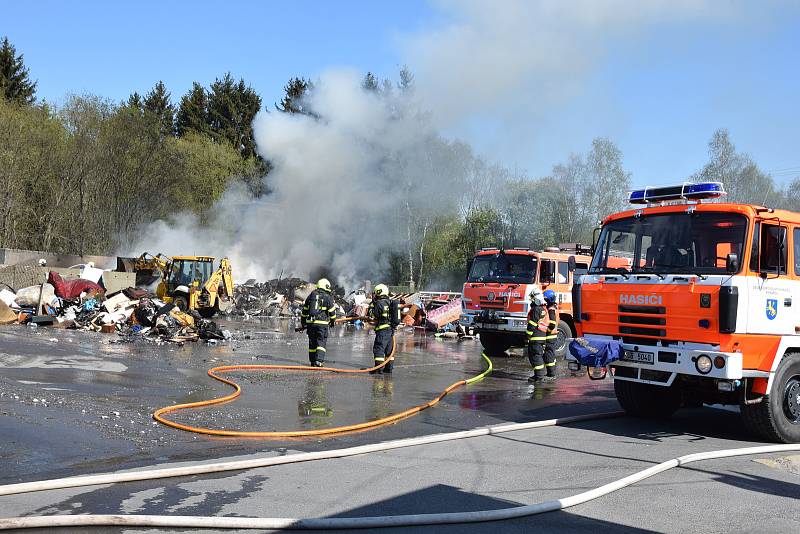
{"x":637,"y":356}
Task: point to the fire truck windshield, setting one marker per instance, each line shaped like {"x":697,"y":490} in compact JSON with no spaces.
{"x":680,"y":242}
{"x":512,"y":268}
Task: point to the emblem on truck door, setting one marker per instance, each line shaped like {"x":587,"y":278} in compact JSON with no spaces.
{"x":772,"y":308}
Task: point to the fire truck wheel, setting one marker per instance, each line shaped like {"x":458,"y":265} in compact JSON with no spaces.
{"x":777,"y":416}
{"x":495,"y":344}
{"x":564,"y":335}
{"x":645,"y":400}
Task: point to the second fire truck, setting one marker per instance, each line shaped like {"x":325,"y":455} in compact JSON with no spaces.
{"x":496,"y":292}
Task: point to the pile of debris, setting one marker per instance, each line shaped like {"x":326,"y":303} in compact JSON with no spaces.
{"x":84,"y":305}
{"x":432,"y":311}
{"x":281,"y":297}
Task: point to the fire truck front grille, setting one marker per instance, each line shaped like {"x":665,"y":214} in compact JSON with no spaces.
{"x":496,"y":304}
{"x":642,"y":324}
{"x":654,"y":376}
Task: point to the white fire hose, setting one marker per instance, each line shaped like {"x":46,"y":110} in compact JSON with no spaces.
{"x":279,"y":523}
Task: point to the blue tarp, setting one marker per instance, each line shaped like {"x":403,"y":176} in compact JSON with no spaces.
{"x":595,"y":353}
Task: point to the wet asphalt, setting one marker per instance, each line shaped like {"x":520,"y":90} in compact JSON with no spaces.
{"x":73,"y":400}
{"x":78,"y":403}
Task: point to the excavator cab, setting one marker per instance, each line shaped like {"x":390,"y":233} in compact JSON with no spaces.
{"x":189,"y":272}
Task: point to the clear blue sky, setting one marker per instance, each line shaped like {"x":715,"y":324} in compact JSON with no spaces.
{"x":659,"y":101}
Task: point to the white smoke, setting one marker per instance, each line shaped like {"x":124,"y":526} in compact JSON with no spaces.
{"x":515,"y":58}
{"x":339,"y":184}
{"x":342,"y":183}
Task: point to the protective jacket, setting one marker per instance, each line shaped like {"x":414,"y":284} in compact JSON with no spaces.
{"x":380,"y":312}
{"x":538,"y":321}
{"x":552,"y":323}
{"x":318,"y":309}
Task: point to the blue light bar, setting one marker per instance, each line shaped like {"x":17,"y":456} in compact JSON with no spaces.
{"x":684,"y":191}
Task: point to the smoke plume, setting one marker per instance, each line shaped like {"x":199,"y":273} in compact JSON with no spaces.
{"x":346,"y":182}
{"x":343,"y":180}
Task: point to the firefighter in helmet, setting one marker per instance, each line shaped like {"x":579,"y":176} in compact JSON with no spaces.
{"x":319,"y":314}
{"x":552,"y":333}
{"x":385,"y":314}
{"x":538,"y":322}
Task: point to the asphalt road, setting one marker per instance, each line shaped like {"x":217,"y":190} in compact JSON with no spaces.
{"x":81,"y":404}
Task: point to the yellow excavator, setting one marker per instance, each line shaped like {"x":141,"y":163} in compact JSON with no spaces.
{"x":190,"y":282}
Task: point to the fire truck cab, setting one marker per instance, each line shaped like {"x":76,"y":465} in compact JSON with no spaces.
{"x":499,"y":282}
{"x":708,"y":311}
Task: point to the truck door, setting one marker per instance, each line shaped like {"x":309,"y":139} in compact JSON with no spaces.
{"x":547,"y":273}
{"x":771,"y":303}
{"x":794,"y":263}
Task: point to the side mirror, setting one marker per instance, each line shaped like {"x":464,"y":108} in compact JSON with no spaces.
{"x":595,"y":237}
{"x":571,"y":264}
{"x":469,"y":267}
{"x":732,"y":263}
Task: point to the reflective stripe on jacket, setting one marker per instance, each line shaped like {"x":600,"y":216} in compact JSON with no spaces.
{"x":537,"y":323}
{"x":552,"y":321}
{"x":319,"y":309}
{"x":379,"y":312}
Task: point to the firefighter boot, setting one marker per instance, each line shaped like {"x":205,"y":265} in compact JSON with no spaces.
{"x":536,"y":358}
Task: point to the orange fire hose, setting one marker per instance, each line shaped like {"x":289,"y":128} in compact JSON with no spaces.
{"x":158,"y":415}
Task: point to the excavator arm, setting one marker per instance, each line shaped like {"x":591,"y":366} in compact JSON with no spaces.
{"x":220,"y":285}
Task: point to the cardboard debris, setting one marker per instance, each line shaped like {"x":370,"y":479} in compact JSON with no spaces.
{"x":91,"y":273}
{"x":7,"y":315}
{"x":117,"y":302}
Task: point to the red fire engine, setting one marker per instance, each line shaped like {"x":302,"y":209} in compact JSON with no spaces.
{"x":708,"y":310}
{"x":496,"y":293}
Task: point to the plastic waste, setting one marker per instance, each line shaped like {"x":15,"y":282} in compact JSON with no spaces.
{"x":29,"y":296}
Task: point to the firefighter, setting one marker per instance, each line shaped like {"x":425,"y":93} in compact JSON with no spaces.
{"x":319,"y":314}
{"x":538,"y":322}
{"x":382,"y":311}
{"x":552,"y":333}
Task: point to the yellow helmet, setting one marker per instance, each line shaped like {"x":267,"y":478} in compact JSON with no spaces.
{"x":381,"y":290}
{"x":324,"y":284}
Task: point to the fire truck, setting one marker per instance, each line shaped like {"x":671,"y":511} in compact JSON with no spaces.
{"x":708,"y":312}
{"x":499,"y":282}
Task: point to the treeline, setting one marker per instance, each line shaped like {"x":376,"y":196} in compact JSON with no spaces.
{"x":84,"y":178}
{"x":567,"y":205}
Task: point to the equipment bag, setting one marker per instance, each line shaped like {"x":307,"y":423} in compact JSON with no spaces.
{"x":595,"y":353}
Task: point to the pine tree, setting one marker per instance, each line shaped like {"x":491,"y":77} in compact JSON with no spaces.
{"x":135,"y":102}
{"x":14,"y":82}
{"x":293,"y":101}
{"x":231,"y":109}
{"x":370,"y":83}
{"x":192,"y":114}
{"x":157,"y":104}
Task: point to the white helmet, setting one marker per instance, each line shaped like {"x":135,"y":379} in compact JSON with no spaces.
{"x":324,"y":284}
{"x":536,"y":296}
